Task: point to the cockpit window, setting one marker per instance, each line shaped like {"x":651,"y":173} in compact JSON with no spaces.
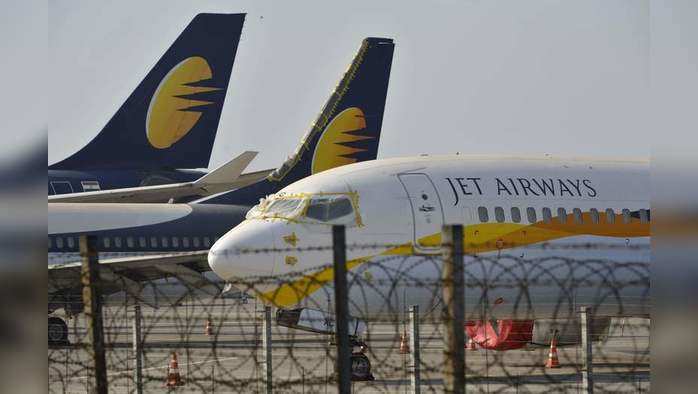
{"x":335,"y":208}
{"x":326,"y":209}
{"x":284,"y":208}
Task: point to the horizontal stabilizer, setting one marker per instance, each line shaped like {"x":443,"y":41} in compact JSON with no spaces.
{"x":229,"y":171}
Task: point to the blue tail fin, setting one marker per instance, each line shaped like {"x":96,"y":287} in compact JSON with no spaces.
{"x":347,"y":130}
{"x":170,"y":120}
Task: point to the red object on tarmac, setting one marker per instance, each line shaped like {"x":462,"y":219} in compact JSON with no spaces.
{"x":553,"y":361}
{"x":209,"y":328}
{"x":404,"y":346}
{"x":504,"y":334}
{"x":173,"y":377}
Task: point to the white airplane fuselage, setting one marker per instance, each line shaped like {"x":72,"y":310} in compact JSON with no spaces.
{"x":544,"y":235}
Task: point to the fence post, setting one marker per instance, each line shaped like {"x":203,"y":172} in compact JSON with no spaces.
{"x":213,"y":379}
{"x":454,"y":308}
{"x":587,"y":371}
{"x":266,"y":349}
{"x":137,"y":349}
{"x":89,"y":276}
{"x":341,"y":309}
{"x":414,"y":338}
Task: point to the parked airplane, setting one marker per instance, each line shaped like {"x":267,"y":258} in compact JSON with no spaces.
{"x":140,"y":242}
{"x":397,"y":207}
{"x":165,"y":129}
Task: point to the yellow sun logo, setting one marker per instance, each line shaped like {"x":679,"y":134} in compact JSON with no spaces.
{"x":341,"y":141}
{"x":174,"y":108}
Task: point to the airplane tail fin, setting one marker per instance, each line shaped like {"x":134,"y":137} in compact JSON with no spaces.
{"x":349,"y":127}
{"x":346,"y":131}
{"x":170,"y":120}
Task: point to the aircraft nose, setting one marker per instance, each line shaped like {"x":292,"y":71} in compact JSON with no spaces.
{"x":240,"y":252}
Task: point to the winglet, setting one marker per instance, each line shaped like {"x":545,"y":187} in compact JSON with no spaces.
{"x":229,"y":171}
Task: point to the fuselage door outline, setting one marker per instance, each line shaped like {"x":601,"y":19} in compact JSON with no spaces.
{"x":427,"y":210}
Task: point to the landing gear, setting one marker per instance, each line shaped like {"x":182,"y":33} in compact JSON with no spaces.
{"x":57,"y":331}
{"x":360,"y":364}
{"x":319,"y":322}
{"x":360,"y":368}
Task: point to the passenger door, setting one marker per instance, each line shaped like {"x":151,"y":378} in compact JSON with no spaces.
{"x":427,"y":212}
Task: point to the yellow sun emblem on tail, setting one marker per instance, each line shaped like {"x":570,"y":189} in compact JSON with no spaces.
{"x":339,"y":142}
{"x":174,"y":108}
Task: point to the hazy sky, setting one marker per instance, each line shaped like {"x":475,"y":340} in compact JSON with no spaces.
{"x":512,"y":77}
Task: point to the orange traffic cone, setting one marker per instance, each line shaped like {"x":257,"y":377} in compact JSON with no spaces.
{"x":471,"y":345}
{"x":404,"y":346}
{"x":209,"y":328}
{"x":173,"y":377}
{"x":553,"y":361}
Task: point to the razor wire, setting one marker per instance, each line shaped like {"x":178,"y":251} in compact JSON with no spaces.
{"x":515,"y":303}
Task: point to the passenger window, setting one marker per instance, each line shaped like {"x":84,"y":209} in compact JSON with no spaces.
{"x":141,"y":242}
{"x":577,"y":216}
{"x":129,"y":242}
{"x":499,"y":214}
{"x":164,"y":242}
{"x":626,"y":216}
{"x":562,"y":215}
{"x":547,"y":215}
{"x":153,"y":242}
{"x":185,"y":242}
{"x":59,"y":242}
{"x":594,"y":215}
{"x":610,"y":216}
{"x":484,"y":216}
{"x":644,"y":216}
{"x":50,"y":242}
{"x":175,"y":242}
{"x":117,"y":242}
{"x":196,"y":242}
{"x":207,"y":242}
{"x":71,"y":242}
{"x":515,"y":215}
{"x":531,"y":214}
{"x":107,"y":242}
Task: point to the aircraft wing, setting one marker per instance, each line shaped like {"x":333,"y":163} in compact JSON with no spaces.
{"x":129,"y":274}
{"x":226,"y":177}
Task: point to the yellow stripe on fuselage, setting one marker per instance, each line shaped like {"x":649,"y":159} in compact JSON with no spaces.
{"x":478,"y":238}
